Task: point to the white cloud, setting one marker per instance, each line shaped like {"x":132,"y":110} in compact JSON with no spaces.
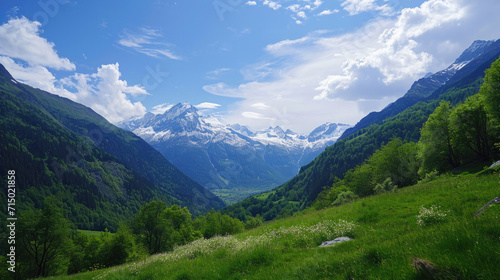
{"x":27,"y":56}
{"x":260,"y":105}
{"x":271,"y":4}
{"x":207,"y":105}
{"x":298,"y":8}
{"x":147,"y":42}
{"x":214,"y":74}
{"x":106,"y":93}
{"x":161,"y":108}
{"x":341,"y":78}
{"x":20,"y":39}
{"x":355,"y":7}
{"x":328,"y":12}
{"x":255,"y":116}
{"x":35,"y":76}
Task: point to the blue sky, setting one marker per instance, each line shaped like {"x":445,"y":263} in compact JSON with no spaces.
{"x":293,"y":63}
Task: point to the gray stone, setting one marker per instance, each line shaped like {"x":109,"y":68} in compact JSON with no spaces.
{"x":335,"y":241}
{"x":495,"y":164}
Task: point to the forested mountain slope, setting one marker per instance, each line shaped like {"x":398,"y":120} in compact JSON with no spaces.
{"x":101,"y":173}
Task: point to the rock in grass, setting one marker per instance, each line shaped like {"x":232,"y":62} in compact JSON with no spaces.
{"x":495,"y":164}
{"x":335,"y":241}
{"x":425,"y":268}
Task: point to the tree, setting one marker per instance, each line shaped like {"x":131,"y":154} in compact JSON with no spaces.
{"x":179,"y":221}
{"x":436,"y":149}
{"x":215,"y":223}
{"x":470,"y":125}
{"x":44,"y":238}
{"x":396,"y":161}
{"x":151,"y":226}
{"x":490,"y":94}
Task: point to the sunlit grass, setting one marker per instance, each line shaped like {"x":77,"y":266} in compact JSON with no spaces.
{"x":387,"y":237}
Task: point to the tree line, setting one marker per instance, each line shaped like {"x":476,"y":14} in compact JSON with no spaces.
{"x":48,"y":244}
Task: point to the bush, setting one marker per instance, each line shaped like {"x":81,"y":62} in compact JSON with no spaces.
{"x":430,"y":176}
{"x":345,"y":197}
{"x":386,"y":186}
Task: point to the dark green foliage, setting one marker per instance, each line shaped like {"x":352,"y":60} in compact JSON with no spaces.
{"x":471,"y":129}
{"x":386,"y":186}
{"x":490,"y":93}
{"x":437,"y":151}
{"x":160,"y":228}
{"x":101,"y":174}
{"x":344,"y":197}
{"x":151,"y":226}
{"x":214,"y":223}
{"x":43,"y":241}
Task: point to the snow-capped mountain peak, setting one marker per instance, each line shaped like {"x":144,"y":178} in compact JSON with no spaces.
{"x":184,"y":120}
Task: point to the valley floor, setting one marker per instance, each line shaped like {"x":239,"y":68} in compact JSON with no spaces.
{"x":429,"y":225}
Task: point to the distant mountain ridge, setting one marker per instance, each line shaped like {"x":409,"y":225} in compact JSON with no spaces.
{"x":403,"y":119}
{"x":64,"y":149}
{"x":230,"y":159}
{"x":425,"y":87}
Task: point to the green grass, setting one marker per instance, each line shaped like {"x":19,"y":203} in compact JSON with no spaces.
{"x":386,"y":240}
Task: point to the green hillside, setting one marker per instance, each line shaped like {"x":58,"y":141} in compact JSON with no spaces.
{"x":432,"y":221}
{"x":346,"y":154}
{"x":101,"y":173}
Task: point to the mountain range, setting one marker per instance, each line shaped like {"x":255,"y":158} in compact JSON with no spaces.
{"x":102,"y":174}
{"x":402,"y":119}
{"x":425,"y":86}
{"x":231,"y":160}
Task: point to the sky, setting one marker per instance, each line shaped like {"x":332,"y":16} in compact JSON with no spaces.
{"x":293,"y":63}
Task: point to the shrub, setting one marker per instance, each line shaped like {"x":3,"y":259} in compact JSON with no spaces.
{"x":386,"y":186}
{"x":429,"y":176}
{"x":432,"y":215}
{"x":345,"y":197}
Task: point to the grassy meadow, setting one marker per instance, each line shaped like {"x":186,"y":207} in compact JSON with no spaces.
{"x":432,"y":221}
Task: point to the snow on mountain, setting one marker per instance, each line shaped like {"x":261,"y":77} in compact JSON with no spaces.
{"x":476,"y":49}
{"x":229,"y":158}
{"x":184,"y":120}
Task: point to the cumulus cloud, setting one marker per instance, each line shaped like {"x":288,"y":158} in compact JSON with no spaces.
{"x":271,"y":4}
{"x":342,"y":77}
{"x":106,"y":93}
{"x":298,"y":8}
{"x":355,"y":7}
{"x":328,"y":12}
{"x":147,"y":41}
{"x":19,"y":39}
{"x":28,"y":57}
